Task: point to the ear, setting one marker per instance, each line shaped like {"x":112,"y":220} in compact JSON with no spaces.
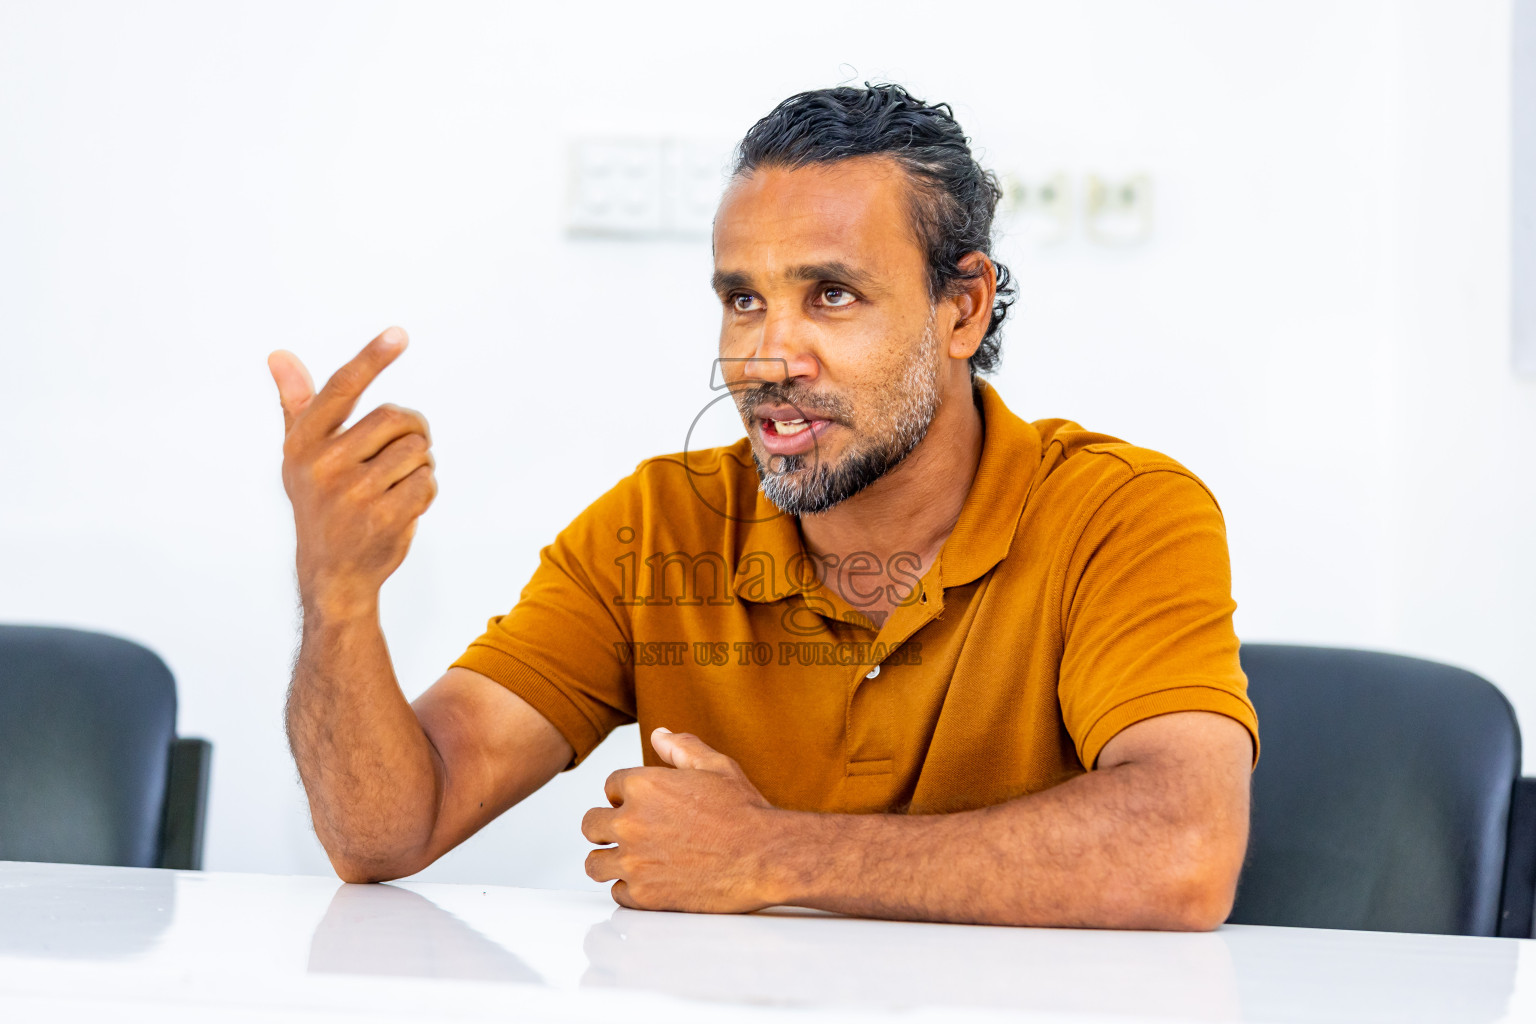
{"x":973,"y":305}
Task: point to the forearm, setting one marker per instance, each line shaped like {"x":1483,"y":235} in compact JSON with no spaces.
{"x":368,"y":768}
{"x":1102,"y":850}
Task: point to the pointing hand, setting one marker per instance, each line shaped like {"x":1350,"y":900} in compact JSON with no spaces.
{"x":356,"y":494}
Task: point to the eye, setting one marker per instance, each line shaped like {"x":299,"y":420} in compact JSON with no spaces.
{"x":745,"y":302}
{"x":836,"y":297}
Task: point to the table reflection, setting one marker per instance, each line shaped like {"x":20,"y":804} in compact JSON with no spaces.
{"x":791,"y":958}
{"x":805,"y":959}
{"x":1372,"y":977}
{"x":1235,"y":973}
{"x":97,"y":916}
{"x":382,"y":929}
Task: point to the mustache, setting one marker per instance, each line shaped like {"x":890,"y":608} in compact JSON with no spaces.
{"x":820,"y":405}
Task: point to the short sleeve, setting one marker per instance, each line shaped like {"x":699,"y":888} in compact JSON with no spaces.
{"x":559,"y":648}
{"x":1147,"y":607}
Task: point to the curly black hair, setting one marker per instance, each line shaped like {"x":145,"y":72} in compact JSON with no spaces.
{"x":953,"y":197}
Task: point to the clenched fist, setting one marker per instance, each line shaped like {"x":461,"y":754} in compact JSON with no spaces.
{"x":697,"y":836}
{"x":356,"y":494}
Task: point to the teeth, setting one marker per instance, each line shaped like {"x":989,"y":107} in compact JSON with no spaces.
{"x":790,"y":426}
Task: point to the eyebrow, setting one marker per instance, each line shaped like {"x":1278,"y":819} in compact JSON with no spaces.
{"x":836,"y":270}
{"x":724,"y":281}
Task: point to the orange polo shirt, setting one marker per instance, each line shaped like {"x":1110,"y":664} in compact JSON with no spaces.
{"x":1085,"y":588}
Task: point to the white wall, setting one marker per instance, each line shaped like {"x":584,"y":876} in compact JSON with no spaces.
{"x":1318,"y":325}
{"x":1463,"y":548}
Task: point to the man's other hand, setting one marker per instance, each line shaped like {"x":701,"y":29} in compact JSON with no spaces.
{"x":692,"y":837}
{"x":356,"y":494}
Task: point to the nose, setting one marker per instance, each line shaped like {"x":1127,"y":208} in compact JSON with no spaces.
{"x":781,"y":350}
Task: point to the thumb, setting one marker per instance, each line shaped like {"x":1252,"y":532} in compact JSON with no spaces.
{"x":295,"y":387}
{"x":685,"y":750}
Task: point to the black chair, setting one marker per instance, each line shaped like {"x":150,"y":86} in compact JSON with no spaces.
{"x":1387,"y":797}
{"x":91,"y":770}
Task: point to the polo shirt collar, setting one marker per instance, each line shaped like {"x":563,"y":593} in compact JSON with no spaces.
{"x":770,"y":533}
{"x":1010,"y":456}
{"x":983,"y":535}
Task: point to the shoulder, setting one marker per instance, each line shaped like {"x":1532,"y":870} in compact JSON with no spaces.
{"x":696,"y":495}
{"x":1097,"y":468}
{"x":1092,"y":482}
{"x":721,"y":480}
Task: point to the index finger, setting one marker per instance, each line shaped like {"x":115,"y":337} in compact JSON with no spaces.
{"x":613,"y":789}
{"x":334,"y":403}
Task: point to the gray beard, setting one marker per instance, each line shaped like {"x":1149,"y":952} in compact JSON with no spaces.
{"x":799,"y":485}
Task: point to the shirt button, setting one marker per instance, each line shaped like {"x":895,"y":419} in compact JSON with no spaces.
{"x":872,"y":672}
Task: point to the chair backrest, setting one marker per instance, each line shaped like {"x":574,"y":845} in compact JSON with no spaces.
{"x":87,"y":735}
{"x":1381,"y":800}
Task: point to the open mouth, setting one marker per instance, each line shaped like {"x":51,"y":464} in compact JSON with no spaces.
{"x":787,"y":428}
{"x":790,"y":433}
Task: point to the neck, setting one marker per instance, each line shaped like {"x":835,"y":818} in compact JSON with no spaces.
{"x":913,"y":508}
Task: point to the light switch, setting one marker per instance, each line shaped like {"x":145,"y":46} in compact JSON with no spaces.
{"x":1118,"y":211}
{"x":692,"y":178}
{"x":644,"y":188}
{"x":1037,"y":209}
{"x":615,"y":187}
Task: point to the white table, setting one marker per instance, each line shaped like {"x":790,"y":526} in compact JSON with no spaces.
{"x":118,"y":944}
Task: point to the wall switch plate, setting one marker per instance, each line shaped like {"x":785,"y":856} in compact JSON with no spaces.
{"x":1118,"y":211}
{"x":643,"y":188}
{"x":615,"y":187}
{"x":692,"y":178}
{"x":1037,"y":209}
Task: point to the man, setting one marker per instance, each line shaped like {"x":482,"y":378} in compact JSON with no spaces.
{"x":896,"y":653}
